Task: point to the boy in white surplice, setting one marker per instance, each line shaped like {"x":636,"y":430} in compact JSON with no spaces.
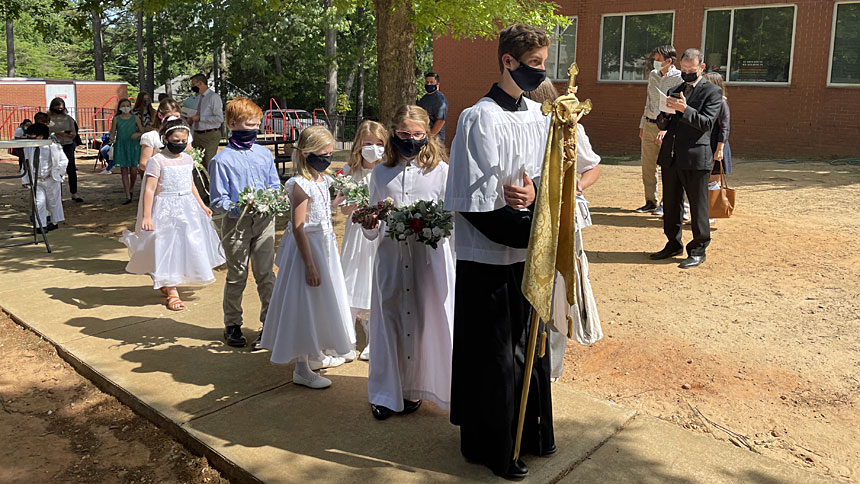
{"x":412,"y":303}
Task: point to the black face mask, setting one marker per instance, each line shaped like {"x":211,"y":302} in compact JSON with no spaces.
{"x":690,"y":76}
{"x":527,"y":77}
{"x":176,"y":148}
{"x":57,"y":110}
{"x":319,"y":163}
{"x":408,"y":147}
{"x":195,"y":89}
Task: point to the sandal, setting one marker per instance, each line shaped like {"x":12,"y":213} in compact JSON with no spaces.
{"x":174,"y":303}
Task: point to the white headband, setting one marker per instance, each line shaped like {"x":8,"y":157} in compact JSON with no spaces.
{"x":174,"y":128}
{"x":171,"y":118}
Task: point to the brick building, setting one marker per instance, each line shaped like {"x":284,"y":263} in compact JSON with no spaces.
{"x":21,"y":97}
{"x":794,"y":69}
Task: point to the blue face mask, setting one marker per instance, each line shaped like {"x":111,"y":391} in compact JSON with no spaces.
{"x":430,"y":88}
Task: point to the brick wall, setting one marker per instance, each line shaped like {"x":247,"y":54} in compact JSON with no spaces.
{"x":95,"y":95}
{"x":22,"y":93}
{"x":805,"y":119}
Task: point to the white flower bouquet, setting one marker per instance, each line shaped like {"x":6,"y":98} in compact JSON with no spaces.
{"x":269,"y":202}
{"x":426,"y":220}
{"x":355,"y":191}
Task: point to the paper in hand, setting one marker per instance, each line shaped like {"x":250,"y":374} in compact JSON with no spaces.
{"x":662,"y":103}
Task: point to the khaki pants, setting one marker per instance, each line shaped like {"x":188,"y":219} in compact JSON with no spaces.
{"x":253,"y":240}
{"x":650,"y":150}
{"x":208,"y":142}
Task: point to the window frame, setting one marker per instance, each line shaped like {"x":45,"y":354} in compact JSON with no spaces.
{"x":572,"y":18}
{"x":842,"y":85}
{"x":731,"y":42}
{"x":624,"y":16}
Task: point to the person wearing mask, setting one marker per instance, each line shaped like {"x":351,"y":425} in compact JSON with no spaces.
{"x":436,"y":105}
{"x":144,"y":111}
{"x":63,"y":127}
{"x":49,"y":178}
{"x":497,"y":151}
{"x":663,"y":77}
{"x":686,"y":158}
{"x":125,"y":131}
{"x":20,"y":134}
{"x":207,"y":122}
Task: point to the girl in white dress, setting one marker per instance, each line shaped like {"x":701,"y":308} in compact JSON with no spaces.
{"x":173,"y":240}
{"x":357,"y":252}
{"x":412,"y":307}
{"x":309,"y":312}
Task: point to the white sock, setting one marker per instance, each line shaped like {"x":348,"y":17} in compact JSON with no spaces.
{"x":304,"y":370}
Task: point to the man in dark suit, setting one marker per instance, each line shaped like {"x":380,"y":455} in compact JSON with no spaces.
{"x":686,"y":158}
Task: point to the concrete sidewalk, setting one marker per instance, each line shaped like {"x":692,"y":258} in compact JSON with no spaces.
{"x":247,"y":417}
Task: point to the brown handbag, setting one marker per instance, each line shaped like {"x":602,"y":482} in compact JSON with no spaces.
{"x":721,"y":203}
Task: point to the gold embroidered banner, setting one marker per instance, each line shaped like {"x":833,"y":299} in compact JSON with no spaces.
{"x":551,"y":244}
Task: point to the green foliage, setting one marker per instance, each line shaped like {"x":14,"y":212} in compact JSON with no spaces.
{"x":343,"y":104}
{"x":483,"y":18}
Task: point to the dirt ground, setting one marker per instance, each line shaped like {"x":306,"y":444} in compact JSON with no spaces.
{"x":58,"y":427}
{"x":763,"y":340}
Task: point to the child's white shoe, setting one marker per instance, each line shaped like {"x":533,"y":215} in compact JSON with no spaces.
{"x":317,"y":383}
{"x":326,"y":362}
{"x":349,"y":357}
{"x":365,"y":354}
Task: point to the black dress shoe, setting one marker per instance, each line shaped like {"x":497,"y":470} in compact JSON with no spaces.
{"x":380,"y":412}
{"x":648,"y":207}
{"x":552,"y":450}
{"x":257,"y":345}
{"x":51,"y":227}
{"x":516,"y":470}
{"x":692,"y":261}
{"x":233,"y":336}
{"x":666,"y":253}
{"x":409,"y":407}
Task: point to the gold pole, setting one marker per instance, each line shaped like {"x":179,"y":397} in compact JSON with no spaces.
{"x":527,"y":378}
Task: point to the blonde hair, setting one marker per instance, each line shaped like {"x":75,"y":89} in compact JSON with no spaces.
{"x":431,"y":154}
{"x":311,"y":140}
{"x":167,"y":105}
{"x":365,"y":128}
{"x":545,"y":92}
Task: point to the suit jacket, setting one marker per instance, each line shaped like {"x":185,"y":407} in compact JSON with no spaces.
{"x":687,"y":144}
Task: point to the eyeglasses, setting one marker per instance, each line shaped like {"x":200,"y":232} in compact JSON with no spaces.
{"x":418,"y":135}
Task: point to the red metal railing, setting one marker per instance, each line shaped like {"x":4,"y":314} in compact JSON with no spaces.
{"x":328,"y":123}
{"x":270,"y":120}
{"x":102,"y":119}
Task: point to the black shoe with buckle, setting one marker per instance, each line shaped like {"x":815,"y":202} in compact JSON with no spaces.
{"x":409,"y":406}
{"x":648,"y":207}
{"x":233,"y":337}
{"x":666,"y":253}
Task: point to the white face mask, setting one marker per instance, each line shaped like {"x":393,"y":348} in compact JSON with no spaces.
{"x":658,"y":64}
{"x":372,"y":153}
{"x":125,"y":109}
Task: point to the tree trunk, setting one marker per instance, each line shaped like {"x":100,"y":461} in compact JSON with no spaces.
{"x":165,"y":62}
{"x":216,"y":85}
{"x":279,"y":71}
{"x":98,"y":51}
{"x":10,"y":49}
{"x":331,"y":60}
{"x":141,"y":72}
{"x":223,"y":70}
{"x":150,"y":55}
{"x":359,"y":95}
{"x":395,"y":39}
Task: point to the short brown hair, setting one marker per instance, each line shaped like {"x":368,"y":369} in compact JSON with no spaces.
{"x":667,"y":51}
{"x":519,"y":39}
{"x":241,"y":108}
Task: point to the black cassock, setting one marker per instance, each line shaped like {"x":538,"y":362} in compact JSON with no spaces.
{"x":491,"y":327}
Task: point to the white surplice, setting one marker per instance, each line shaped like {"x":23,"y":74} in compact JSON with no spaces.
{"x":412,"y":303}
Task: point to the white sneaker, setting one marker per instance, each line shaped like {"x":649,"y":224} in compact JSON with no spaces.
{"x":105,"y":172}
{"x":712,"y":221}
{"x":317,"y":383}
{"x":326,"y":362}
{"x":365,"y":354}
{"x":349,"y":357}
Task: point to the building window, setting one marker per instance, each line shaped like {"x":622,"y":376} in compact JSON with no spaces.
{"x":752,"y":45}
{"x":845,"y":45}
{"x":562,"y":52}
{"x":626,"y":42}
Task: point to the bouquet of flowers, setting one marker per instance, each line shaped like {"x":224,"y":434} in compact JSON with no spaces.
{"x":381,"y":210}
{"x":355,"y":191}
{"x":426,"y":220}
{"x":273,"y":202}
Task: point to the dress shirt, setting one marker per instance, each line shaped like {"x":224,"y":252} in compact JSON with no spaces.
{"x":211,"y":111}
{"x":658,"y":82}
{"x":232,"y":170}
